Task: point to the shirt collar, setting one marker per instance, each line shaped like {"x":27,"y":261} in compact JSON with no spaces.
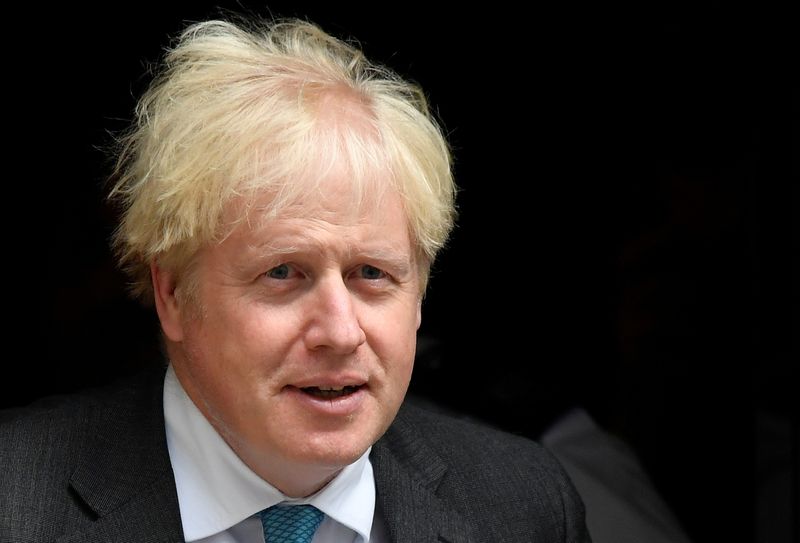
{"x":216,"y":490}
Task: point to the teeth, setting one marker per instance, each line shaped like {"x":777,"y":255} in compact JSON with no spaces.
{"x":330,"y":392}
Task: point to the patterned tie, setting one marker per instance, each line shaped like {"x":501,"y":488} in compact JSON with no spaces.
{"x":290,"y":523}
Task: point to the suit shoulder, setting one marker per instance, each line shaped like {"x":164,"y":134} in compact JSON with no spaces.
{"x":53,"y":431}
{"x":61,"y":449}
{"x":45,"y":422}
{"x":40,"y":446}
{"x":450,"y":434}
{"x":474,"y":449}
{"x":493,"y":474}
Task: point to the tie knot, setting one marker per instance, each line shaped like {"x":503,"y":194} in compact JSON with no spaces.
{"x":290,"y":523}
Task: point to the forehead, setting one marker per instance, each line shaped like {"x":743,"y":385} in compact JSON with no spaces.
{"x":327,"y":225}
{"x":336,"y":195}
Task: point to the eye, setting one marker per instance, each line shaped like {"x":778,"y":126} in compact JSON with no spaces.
{"x":281,"y":271}
{"x":371,"y":272}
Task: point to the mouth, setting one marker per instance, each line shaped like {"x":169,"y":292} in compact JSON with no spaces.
{"x":331,"y":393}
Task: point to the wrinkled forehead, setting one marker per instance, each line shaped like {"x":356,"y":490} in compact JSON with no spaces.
{"x":335,"y":194}
{"x":327,"y":197}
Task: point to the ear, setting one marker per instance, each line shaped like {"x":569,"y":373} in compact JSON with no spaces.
{"x":167,"y":305}
{"x":419,"y":312}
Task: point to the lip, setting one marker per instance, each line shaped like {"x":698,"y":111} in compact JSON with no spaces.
{"x":331,"y":381}
{"x":334,"y":407}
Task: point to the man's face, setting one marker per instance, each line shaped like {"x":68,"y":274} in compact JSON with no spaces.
{"x":299,"y":344}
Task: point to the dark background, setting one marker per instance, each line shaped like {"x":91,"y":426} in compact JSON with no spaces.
{"x":626,"y":236}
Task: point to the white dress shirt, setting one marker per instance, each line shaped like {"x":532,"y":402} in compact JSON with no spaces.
{"x":220,"y":497}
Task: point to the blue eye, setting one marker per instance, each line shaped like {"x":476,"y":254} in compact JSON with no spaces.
{"x":279,"y":272}
{"x":371,"y":272}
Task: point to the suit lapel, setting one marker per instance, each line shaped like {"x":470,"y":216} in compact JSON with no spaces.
{"x":125,"y":478}
{"x":149,"y":517}
{"x":407,"y":475}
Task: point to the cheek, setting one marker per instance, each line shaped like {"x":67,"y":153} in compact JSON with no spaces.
{"x":234,"y":331}
{"x":230,"y":368}
{"x":394,"y":342}
{"x":220,"y":351}
{"x":399,"y":370}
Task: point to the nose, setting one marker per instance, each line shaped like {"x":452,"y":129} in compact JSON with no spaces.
{"x":334,"y":321}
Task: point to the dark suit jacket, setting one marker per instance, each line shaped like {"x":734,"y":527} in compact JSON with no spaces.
{"x":94,"y":467}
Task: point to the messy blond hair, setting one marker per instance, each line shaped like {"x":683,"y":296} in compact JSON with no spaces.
{"x":237,"y":111}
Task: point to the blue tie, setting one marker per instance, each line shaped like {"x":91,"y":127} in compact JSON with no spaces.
{"x":290,"y":523}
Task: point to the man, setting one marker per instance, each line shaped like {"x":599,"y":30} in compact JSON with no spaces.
{"x":283,"y":200}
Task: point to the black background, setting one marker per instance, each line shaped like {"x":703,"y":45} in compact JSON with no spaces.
{"x":626,"y":232}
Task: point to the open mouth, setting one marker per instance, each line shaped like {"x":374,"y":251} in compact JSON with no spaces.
{"x":330,"y":393}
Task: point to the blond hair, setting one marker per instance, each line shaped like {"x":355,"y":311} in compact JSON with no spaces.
{"x":239,"y":111}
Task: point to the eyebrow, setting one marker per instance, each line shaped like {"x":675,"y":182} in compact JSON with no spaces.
{"x":399,"y":261}
{"x":401,"y":265}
